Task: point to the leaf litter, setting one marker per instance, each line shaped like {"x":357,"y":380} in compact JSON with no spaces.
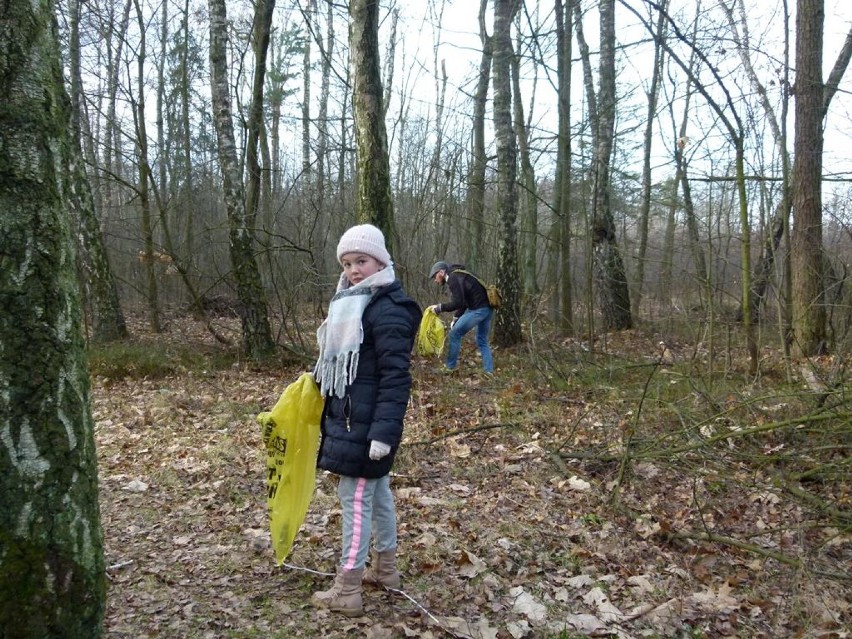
{"x":499,"y":536}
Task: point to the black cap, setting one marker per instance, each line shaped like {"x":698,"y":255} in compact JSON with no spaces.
{"x":438,"y":266}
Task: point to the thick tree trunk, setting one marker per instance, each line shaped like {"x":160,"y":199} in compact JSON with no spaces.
{"x":256,"y":332}
{"x":508,"y":325}
{"x":608,"y":268}
{"x":809,"y":315}
{"x":51,"y":566}
{"x":374,"y":202}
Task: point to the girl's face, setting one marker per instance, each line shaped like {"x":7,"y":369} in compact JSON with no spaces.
{"x":359,"y":266}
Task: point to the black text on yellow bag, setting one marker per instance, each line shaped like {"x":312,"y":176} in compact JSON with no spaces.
{"x":495,"y":297}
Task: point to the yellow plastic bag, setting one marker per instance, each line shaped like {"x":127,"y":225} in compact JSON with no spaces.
{"x":291,"y":433}
{"x":430,"y":335}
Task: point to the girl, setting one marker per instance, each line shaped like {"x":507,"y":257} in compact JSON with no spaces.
{"x":363,"y":372}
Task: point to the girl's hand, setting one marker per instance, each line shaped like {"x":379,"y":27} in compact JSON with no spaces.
{"x":378,"y":450}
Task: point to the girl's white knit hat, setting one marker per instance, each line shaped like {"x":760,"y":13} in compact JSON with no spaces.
{"x":364,"y":238}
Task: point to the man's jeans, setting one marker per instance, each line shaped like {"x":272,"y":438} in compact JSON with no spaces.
{"x":481,"y":319}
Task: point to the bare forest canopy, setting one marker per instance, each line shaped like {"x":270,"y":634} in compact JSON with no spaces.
{"x":148,"y":137}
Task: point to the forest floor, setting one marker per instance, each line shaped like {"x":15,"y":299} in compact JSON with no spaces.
{"x":611,"y":491}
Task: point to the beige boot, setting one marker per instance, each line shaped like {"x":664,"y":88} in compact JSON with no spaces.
{"x":383,"y":570}
{"x":344,"y":596}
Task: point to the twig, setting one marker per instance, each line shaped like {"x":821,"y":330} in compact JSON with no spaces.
{"x":758,"y":550}
{"x":835,"y":513}
{"x":462,"y":431}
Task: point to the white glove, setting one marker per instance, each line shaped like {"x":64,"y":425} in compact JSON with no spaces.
{"x":378,"y":450}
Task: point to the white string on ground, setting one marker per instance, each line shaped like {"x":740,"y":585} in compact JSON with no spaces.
{"x":388,"y":588}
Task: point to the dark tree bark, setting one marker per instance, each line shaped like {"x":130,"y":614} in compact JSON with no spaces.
{"x":374,"y":202}
{"x":809,"y":315}
{"x":144,"y":172}
{"x":476,"y":179}
{"x":508,"y":325}
{"x":562,"y":182}
{"x":261,"y":30}
{"x":51,"y":546}
{"x":608,"y":267}
{"x":256,"y":332}
{"x":529,"y":201}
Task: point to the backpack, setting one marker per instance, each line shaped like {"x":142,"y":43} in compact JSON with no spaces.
{"x":495,"y":297}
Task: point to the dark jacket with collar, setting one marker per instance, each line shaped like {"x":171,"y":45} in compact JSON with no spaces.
{"x":374,"y":404}
{"x":466,"y":292}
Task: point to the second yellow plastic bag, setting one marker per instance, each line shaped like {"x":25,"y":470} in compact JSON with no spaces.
{"x":291,"y":433}
{"x":430,"y":335}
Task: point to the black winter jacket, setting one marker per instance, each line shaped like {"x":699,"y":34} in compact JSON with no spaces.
{"x":466,"y":292}
{"x":374,"y":404}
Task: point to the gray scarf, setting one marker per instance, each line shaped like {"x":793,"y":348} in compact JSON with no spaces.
{"x":341,"y":334}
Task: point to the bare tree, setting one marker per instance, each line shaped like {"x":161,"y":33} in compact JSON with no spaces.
{"x":476,"y":176}
{"x":144,"y":173}
{"x":645,"y":208}
{"x":508,"y":325}
{"x":812,"y":100}
{"x":52,"y":579}
{"x":608,"y":268}
{"x":374,"y":203}
{"x":529,"y":200}
{"x":730,"y":119}
{"x":256,"y":332}
{"x":562,"y":182}
{"x":99,"y":284}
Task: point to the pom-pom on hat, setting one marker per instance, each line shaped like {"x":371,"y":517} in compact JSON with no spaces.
{"x":364,"y":238}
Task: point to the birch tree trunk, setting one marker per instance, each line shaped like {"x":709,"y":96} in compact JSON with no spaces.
{"x":52,"y":580}
{"x":508,"y":326}
{"x":374,"y":203}
{"x":256,"y":332}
